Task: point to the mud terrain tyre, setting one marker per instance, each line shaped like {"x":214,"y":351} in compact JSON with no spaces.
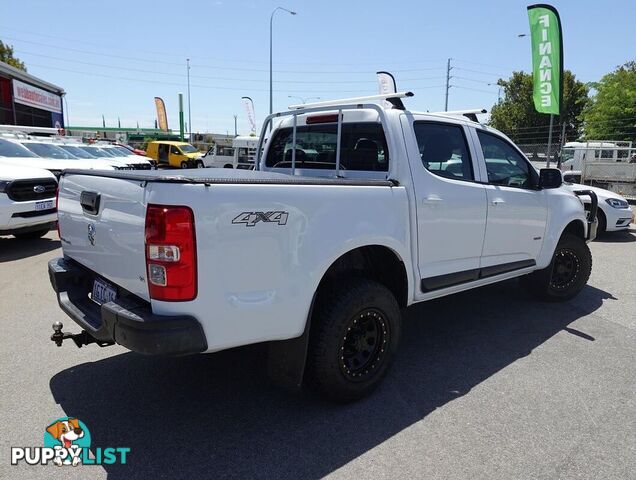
{"x":355,"y":332}
{"x":567,"y":273}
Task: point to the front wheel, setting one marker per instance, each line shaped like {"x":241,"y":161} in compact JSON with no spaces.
{"x":185,"y":165}
{"x":200,"y":164}
{"x":355,"y":332}
{"x":566,"y":275}
{"x":602,"y":223}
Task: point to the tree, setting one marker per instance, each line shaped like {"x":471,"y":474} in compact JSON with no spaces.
{"x":6,"y":56}
{"x":611,"y":112}
{"x":516,"y":116}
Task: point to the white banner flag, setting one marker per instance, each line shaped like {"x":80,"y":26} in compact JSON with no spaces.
{"x":248,"y":103}
{"x":386,"y":84}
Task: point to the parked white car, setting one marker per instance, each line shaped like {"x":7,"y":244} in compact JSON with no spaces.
{"x":52,"y":151}
{"x":27,"y":201}
{"x":354,"y":211}
{"x":137,"y":162}
{"x":14,"y":153}
{"x":614,"y":212}
{"x":144,"y":162}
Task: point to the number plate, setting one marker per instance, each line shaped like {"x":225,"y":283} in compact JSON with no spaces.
{"x":46,"y":205}
{"x":103,"y":292}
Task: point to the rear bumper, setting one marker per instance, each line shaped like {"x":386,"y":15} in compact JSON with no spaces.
{"x":128,"y":320}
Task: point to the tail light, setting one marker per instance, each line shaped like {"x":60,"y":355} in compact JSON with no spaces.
{"x":57,"y":203}
{"x":171,"y":262}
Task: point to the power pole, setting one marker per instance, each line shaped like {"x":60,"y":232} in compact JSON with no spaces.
{"x":181,"y":116}
{"x":189,"y":111}
{"x":562,"y":143}
{"x":448,"y":77}
{"x":235,"y":126}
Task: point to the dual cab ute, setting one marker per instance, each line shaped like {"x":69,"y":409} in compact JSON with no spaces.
{"x":354,"y":211}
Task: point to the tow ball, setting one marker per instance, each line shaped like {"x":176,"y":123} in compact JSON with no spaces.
{"x":80,"y":339}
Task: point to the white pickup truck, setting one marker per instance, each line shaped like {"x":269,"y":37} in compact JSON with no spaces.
{"x":354,"y":211}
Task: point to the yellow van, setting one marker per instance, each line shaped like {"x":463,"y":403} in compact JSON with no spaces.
{"x":174,"y":154}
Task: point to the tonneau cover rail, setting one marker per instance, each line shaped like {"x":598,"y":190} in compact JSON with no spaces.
{"x":282,"y":180}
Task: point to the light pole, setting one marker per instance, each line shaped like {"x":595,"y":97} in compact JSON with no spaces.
{"x":189,"y":112}
{"x":271,"y":22}
{"x":498,"y":91}
{"x":303,"y":99}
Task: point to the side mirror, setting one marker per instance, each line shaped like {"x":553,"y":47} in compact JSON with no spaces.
{"x":550,"y":178}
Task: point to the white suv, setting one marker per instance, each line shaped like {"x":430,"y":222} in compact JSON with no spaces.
{"x":27,"y":201}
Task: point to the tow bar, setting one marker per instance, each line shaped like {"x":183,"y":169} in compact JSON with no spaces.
{"x":80,"y":339}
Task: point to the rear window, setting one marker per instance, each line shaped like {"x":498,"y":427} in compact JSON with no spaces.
{"x":363,"y":147}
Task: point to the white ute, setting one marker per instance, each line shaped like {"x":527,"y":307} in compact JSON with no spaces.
{"x":354,"y":211}
{"x":27,"y":201}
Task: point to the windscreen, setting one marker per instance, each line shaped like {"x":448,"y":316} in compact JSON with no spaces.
{"x":76,"y":151}
{"x":188,"y":149}
{"x":568,"y":154}
{"x":96,"y":152}
{"x":123,"y":151}
{"x":48,"y":151}
{"x":10,"y":149}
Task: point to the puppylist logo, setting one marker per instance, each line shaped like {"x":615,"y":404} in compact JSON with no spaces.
{"x":67,"y":441}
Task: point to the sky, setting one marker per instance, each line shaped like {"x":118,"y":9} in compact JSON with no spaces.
{"x":112,"y":58}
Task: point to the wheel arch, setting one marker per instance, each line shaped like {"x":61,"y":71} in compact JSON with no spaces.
{"x":575,"y":227}
{"x":377,"y":262}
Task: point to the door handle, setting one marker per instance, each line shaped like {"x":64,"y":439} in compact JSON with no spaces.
{"x":432,"y":200}
{"x":498,"y":201}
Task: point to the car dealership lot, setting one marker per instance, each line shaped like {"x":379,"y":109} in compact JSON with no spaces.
{"x":487,"y":384}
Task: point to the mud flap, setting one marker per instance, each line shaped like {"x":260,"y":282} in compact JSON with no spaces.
{"x":286,"y":359}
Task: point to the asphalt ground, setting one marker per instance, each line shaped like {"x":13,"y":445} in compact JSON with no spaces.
{"x":488,"y":384}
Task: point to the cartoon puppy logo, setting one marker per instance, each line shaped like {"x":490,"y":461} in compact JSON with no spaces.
{"x":66,"y":432}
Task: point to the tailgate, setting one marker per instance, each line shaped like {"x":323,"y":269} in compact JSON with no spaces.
{"x":102,"y":227}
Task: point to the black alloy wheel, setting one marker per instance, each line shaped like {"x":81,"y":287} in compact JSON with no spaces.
{"x":364,"y":344}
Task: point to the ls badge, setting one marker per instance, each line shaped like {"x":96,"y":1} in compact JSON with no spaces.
{"x":91,"y":233}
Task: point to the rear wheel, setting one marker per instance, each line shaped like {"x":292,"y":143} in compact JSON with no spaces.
{"x":31,"y":235}
{"x":566,"y":275}
{"x":355,"y":333}
{"x":228,"y":166}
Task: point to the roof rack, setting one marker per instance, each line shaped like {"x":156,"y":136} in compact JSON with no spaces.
{"x":471,"y":114}
{"x":394,"y":98}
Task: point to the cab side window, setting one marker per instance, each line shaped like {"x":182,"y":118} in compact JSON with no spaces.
{"x":504,"y":164}
{"x":174,"y":150}
{"x":443,"y":150}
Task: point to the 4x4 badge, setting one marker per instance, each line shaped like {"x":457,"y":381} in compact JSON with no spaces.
{"x":252,"y":218}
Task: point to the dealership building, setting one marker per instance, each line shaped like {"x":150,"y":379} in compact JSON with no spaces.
{"x":28,"y":100}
